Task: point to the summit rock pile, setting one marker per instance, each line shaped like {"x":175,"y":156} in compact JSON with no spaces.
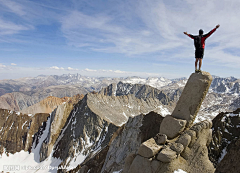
{"x":180,"y":144}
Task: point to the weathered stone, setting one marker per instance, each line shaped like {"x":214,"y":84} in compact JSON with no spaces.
{"x":161,"y":139}
{"x":210,"y":124}
{"x":197,"y":155}
{"x":167,"y":155}
{"x":149,"y":148}
{"x":209,"y":140}
{"x":177,"y":147}
{"x":184,"y":139}
{"x":205,"y":124}
{"x":192,"y":96}
{"x":186,"y":153}
{"x":193,"y":136}
{"x":140,"y":165}
{"x":197,"y":128}
{"x":155,"y":165}
{"x":172,"y":126}
{"x":128,"y":162}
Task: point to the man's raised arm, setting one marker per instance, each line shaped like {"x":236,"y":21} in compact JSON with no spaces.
{"x":212,"y":31}
{"x":189,"y":35}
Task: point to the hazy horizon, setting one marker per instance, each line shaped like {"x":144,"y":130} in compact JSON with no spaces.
{"x":113,"y":76}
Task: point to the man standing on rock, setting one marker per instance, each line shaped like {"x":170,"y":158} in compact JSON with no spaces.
{"x":199,"y":43}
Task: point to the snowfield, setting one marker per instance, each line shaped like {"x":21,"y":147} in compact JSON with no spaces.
{"x":23,"y":162}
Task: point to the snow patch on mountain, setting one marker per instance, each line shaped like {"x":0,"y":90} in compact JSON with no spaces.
{"x":151,"y":81}
{"x":163,"y":111}
{"x":26,"y":162}
{"x":179,"y":171}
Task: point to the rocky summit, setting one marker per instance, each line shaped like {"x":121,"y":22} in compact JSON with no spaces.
{"x":186,"y":144}
{"x":192,"y":97}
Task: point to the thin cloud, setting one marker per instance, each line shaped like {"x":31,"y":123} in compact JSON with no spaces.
{"x":13,"y":64}
{"x":57,"y":68}
{"x":72,"y":69}
{"x":119,"y":71}
{"x":2,"y":66}
{"x":9,"y":28}
{"x":13,"y":7}
{"x":90,"y":70}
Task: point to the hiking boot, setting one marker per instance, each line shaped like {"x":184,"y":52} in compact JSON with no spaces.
{"x":199,"y":71}
{"x":196,"y":71}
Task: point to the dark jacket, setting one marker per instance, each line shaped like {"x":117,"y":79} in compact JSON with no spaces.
{"x":204,"y":37}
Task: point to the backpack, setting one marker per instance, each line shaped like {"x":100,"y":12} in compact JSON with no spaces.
{"x":198,"y":42}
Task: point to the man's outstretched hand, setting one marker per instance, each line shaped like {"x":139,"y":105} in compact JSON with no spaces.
{"x":217,"y":26}
{"x":185,"y":33}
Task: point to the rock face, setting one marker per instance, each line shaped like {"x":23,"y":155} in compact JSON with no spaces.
{"x":230,"y":162}
{"x":11,"y":137}
{"x":138,"y":90}
{"x":187,"y":147}
{"x":111,"y":108}
{"x":125,"y":140}
{"x":119,"y":101}
{"x":225,"y":132}
{"x":83,"y":135}
{"x":192,"y":97}
{"x":58,"y":119}
{"x":136,"y":131}
{"x":117,"y":109}
{"x":17,"y":130}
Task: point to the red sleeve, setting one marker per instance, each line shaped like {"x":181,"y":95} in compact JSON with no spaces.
{"x":210,"y":33}
{"x":191,"y":36}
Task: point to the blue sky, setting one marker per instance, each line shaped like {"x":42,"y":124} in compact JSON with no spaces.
{"x":116,"y":37}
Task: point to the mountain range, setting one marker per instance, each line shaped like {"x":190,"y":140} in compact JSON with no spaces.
{"x":22,"y":93}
